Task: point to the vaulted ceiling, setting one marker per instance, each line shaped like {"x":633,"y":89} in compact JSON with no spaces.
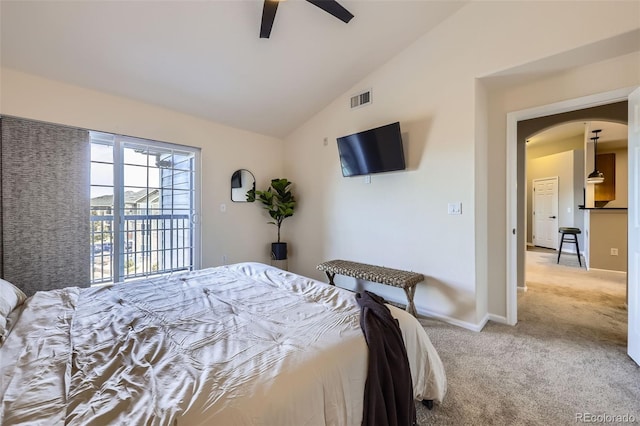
{"x":205,"y":58}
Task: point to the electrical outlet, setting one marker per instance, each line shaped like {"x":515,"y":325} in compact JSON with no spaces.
{"x":614,"y":252}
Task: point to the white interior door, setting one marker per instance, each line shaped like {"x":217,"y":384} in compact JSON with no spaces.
{"x":633,"y":273}
{"x":545,"y":212}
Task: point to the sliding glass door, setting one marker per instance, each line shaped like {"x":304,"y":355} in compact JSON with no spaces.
{"x":144,"y":208}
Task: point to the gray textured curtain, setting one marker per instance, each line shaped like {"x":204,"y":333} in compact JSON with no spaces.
{"x":45,"y":171}
{"x":1,"y":239}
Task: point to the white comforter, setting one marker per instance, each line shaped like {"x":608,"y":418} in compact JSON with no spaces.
{"x":244,"y":344}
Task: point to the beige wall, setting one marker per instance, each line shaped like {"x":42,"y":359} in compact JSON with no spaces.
{"x":554,"y":163}
{"x":241,"y":233}
{"x":541,"y":164}
{"x":563,"y":166}
{"x":598,"y":77}
{"x":443,"y":90}
{"x":454,"y":130}
{"x":608,"y":230}
{"x":554,"y":147}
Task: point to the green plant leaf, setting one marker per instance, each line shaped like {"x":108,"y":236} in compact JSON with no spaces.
{"x":278,"y":200}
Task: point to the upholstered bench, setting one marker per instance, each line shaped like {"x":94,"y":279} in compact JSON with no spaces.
{"x":378,"y":274}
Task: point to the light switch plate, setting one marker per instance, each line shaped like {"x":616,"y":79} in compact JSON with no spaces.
{"x":454,"y":208}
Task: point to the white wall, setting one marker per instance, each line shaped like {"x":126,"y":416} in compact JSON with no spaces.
{"x":400,"y":220}
{"x":241,"y":233}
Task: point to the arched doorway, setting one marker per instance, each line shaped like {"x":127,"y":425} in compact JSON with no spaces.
{"x":590,"y":283}
{"x":517,"y":131}
{"x":564,"y":152}
{"x":612,"y":111}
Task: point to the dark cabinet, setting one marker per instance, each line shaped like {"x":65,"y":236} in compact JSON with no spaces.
{"x":606,"y":191}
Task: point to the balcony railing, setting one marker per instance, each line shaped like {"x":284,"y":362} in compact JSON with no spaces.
{"x":148,"y":245}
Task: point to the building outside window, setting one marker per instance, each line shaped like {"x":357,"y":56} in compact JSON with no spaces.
{"x":144,"y":208}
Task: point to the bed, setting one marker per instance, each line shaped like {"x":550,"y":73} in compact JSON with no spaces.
{"x":244,"y":344}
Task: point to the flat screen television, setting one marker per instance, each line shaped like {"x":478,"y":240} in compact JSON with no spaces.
{"x":372,"y":151}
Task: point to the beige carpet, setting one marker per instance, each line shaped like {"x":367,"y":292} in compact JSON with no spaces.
{"x":565,"y":358}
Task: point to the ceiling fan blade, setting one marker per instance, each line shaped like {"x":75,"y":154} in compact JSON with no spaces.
{"x":268,"y":15}
{"x":332,"y":7}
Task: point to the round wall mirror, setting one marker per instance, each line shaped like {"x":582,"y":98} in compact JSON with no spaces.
{"x":241,"y":181}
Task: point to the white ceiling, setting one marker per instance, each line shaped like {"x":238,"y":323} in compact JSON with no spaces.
{"x":613,"y":135}
{"x":205,"y":58}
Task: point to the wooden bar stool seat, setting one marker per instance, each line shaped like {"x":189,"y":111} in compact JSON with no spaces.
{"x":566,"y":233}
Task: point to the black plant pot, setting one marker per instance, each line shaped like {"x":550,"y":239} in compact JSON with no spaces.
{"x":278,"y":251}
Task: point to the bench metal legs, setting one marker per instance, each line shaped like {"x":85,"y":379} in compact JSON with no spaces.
{"x":409,"y":291}
{"x":330,"y":276}
{"x":411,"y":307}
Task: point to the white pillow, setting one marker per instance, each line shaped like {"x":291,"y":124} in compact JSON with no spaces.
{"x":10,"y":297}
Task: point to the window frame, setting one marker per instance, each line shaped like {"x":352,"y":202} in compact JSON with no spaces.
{"x":119,"y":144}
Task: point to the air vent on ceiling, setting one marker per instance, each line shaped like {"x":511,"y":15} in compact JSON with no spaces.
{"x":361,"y":99}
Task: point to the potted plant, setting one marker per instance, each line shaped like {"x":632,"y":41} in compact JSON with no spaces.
{"x":280,"y":203}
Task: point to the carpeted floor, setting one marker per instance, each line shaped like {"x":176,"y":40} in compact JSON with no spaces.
{"x":564,"y":359}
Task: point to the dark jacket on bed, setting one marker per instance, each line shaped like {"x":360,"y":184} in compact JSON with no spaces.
{"x":388,"y":391}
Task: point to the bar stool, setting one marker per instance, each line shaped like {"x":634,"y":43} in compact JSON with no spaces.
{"x":566,"y":232}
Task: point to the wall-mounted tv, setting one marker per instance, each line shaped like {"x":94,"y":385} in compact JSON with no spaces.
{"x":372,"y":151}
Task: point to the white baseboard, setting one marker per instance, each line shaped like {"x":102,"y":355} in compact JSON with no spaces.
{"x":565,"y":249}
{"x":523,"y":289}
{"x":499,"y":319}
{"x":464,"y":324}
{"x":608,"y":270}
{"x":453,"y":321}
{"x":484,"y":322}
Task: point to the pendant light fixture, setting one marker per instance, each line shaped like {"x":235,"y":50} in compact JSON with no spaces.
{"x":595,"y":176}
